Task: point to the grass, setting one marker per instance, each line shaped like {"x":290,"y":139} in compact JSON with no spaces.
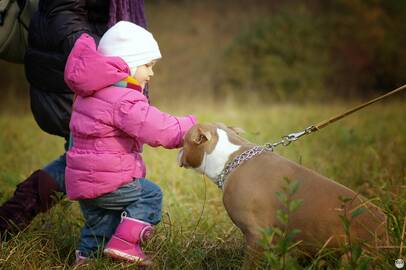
{"x":365,"y":151}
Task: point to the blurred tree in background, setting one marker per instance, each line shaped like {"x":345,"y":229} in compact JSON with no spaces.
{"x":366,"y":38}
{"x":282,"y":50}
{"x":320,"y":49}
{"x":284,"y":55}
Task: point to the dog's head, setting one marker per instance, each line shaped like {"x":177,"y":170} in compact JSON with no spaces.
{"x":202,"y":139}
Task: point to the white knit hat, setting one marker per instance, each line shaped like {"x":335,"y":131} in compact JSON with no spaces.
{"x":131,"y":42}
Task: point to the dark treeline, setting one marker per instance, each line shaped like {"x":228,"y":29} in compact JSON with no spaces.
{"x":321,"y":49}
{"x":295,"y":49}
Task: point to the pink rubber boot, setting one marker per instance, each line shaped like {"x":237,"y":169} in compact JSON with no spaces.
{"x":125,"y":244}
{"x":80,"y":259}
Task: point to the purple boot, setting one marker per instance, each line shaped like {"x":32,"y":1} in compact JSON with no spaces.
{"x":31,"y":196}
{"x":125,"y":244}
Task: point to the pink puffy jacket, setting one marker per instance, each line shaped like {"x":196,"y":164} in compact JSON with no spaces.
{"x":110,"y":124}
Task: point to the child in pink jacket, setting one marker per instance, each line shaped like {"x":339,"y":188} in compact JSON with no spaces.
{"x":111,"y":120}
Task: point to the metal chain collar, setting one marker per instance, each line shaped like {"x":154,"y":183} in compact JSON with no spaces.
{"x":246,"y":155}
{"x":257,"y":150}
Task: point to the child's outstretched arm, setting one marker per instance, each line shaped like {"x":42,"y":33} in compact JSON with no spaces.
{"x":149,"y":125}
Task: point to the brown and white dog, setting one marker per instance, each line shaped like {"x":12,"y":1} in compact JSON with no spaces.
{"x":249,"y":193}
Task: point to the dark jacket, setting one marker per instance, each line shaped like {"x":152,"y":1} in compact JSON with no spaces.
{"x":52,"y":34}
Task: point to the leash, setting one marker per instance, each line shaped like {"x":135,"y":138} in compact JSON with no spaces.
{"x":288,"y":139}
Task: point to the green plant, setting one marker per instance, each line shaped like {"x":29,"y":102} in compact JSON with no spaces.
{"x":353,"y":251}
{"x":279,"y":242}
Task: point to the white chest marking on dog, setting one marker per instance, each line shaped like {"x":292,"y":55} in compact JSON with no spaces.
{"x":214,"y":163}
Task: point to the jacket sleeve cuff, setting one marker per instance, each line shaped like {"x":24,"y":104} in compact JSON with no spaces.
{"x":185,"y":124}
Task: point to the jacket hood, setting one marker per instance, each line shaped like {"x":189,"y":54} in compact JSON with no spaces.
{"x":88,"y":71}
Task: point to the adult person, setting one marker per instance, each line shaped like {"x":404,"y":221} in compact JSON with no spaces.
{"x":53,"y":31}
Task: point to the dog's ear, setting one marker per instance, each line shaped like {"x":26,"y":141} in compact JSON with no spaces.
{"x":237,"y":130}
{"x":202,"y":135}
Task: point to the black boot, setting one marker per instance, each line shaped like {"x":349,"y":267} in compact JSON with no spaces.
{"x":32,"y":196}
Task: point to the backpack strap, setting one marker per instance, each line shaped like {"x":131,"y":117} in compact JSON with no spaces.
{"x":4,"y":5}
{"x":26,"y":12}
{"x":26,"y":7}
{"x":15,"y":18}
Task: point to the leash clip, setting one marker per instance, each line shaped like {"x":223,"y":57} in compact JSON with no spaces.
{"x":294,"y":136}
{"x":288,"y":139}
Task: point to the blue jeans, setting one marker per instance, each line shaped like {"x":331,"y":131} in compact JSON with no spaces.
{"x":140,"y":199}
{"x":56,"y":169}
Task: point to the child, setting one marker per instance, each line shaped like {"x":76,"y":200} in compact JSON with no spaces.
{"x":111,"y":120}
